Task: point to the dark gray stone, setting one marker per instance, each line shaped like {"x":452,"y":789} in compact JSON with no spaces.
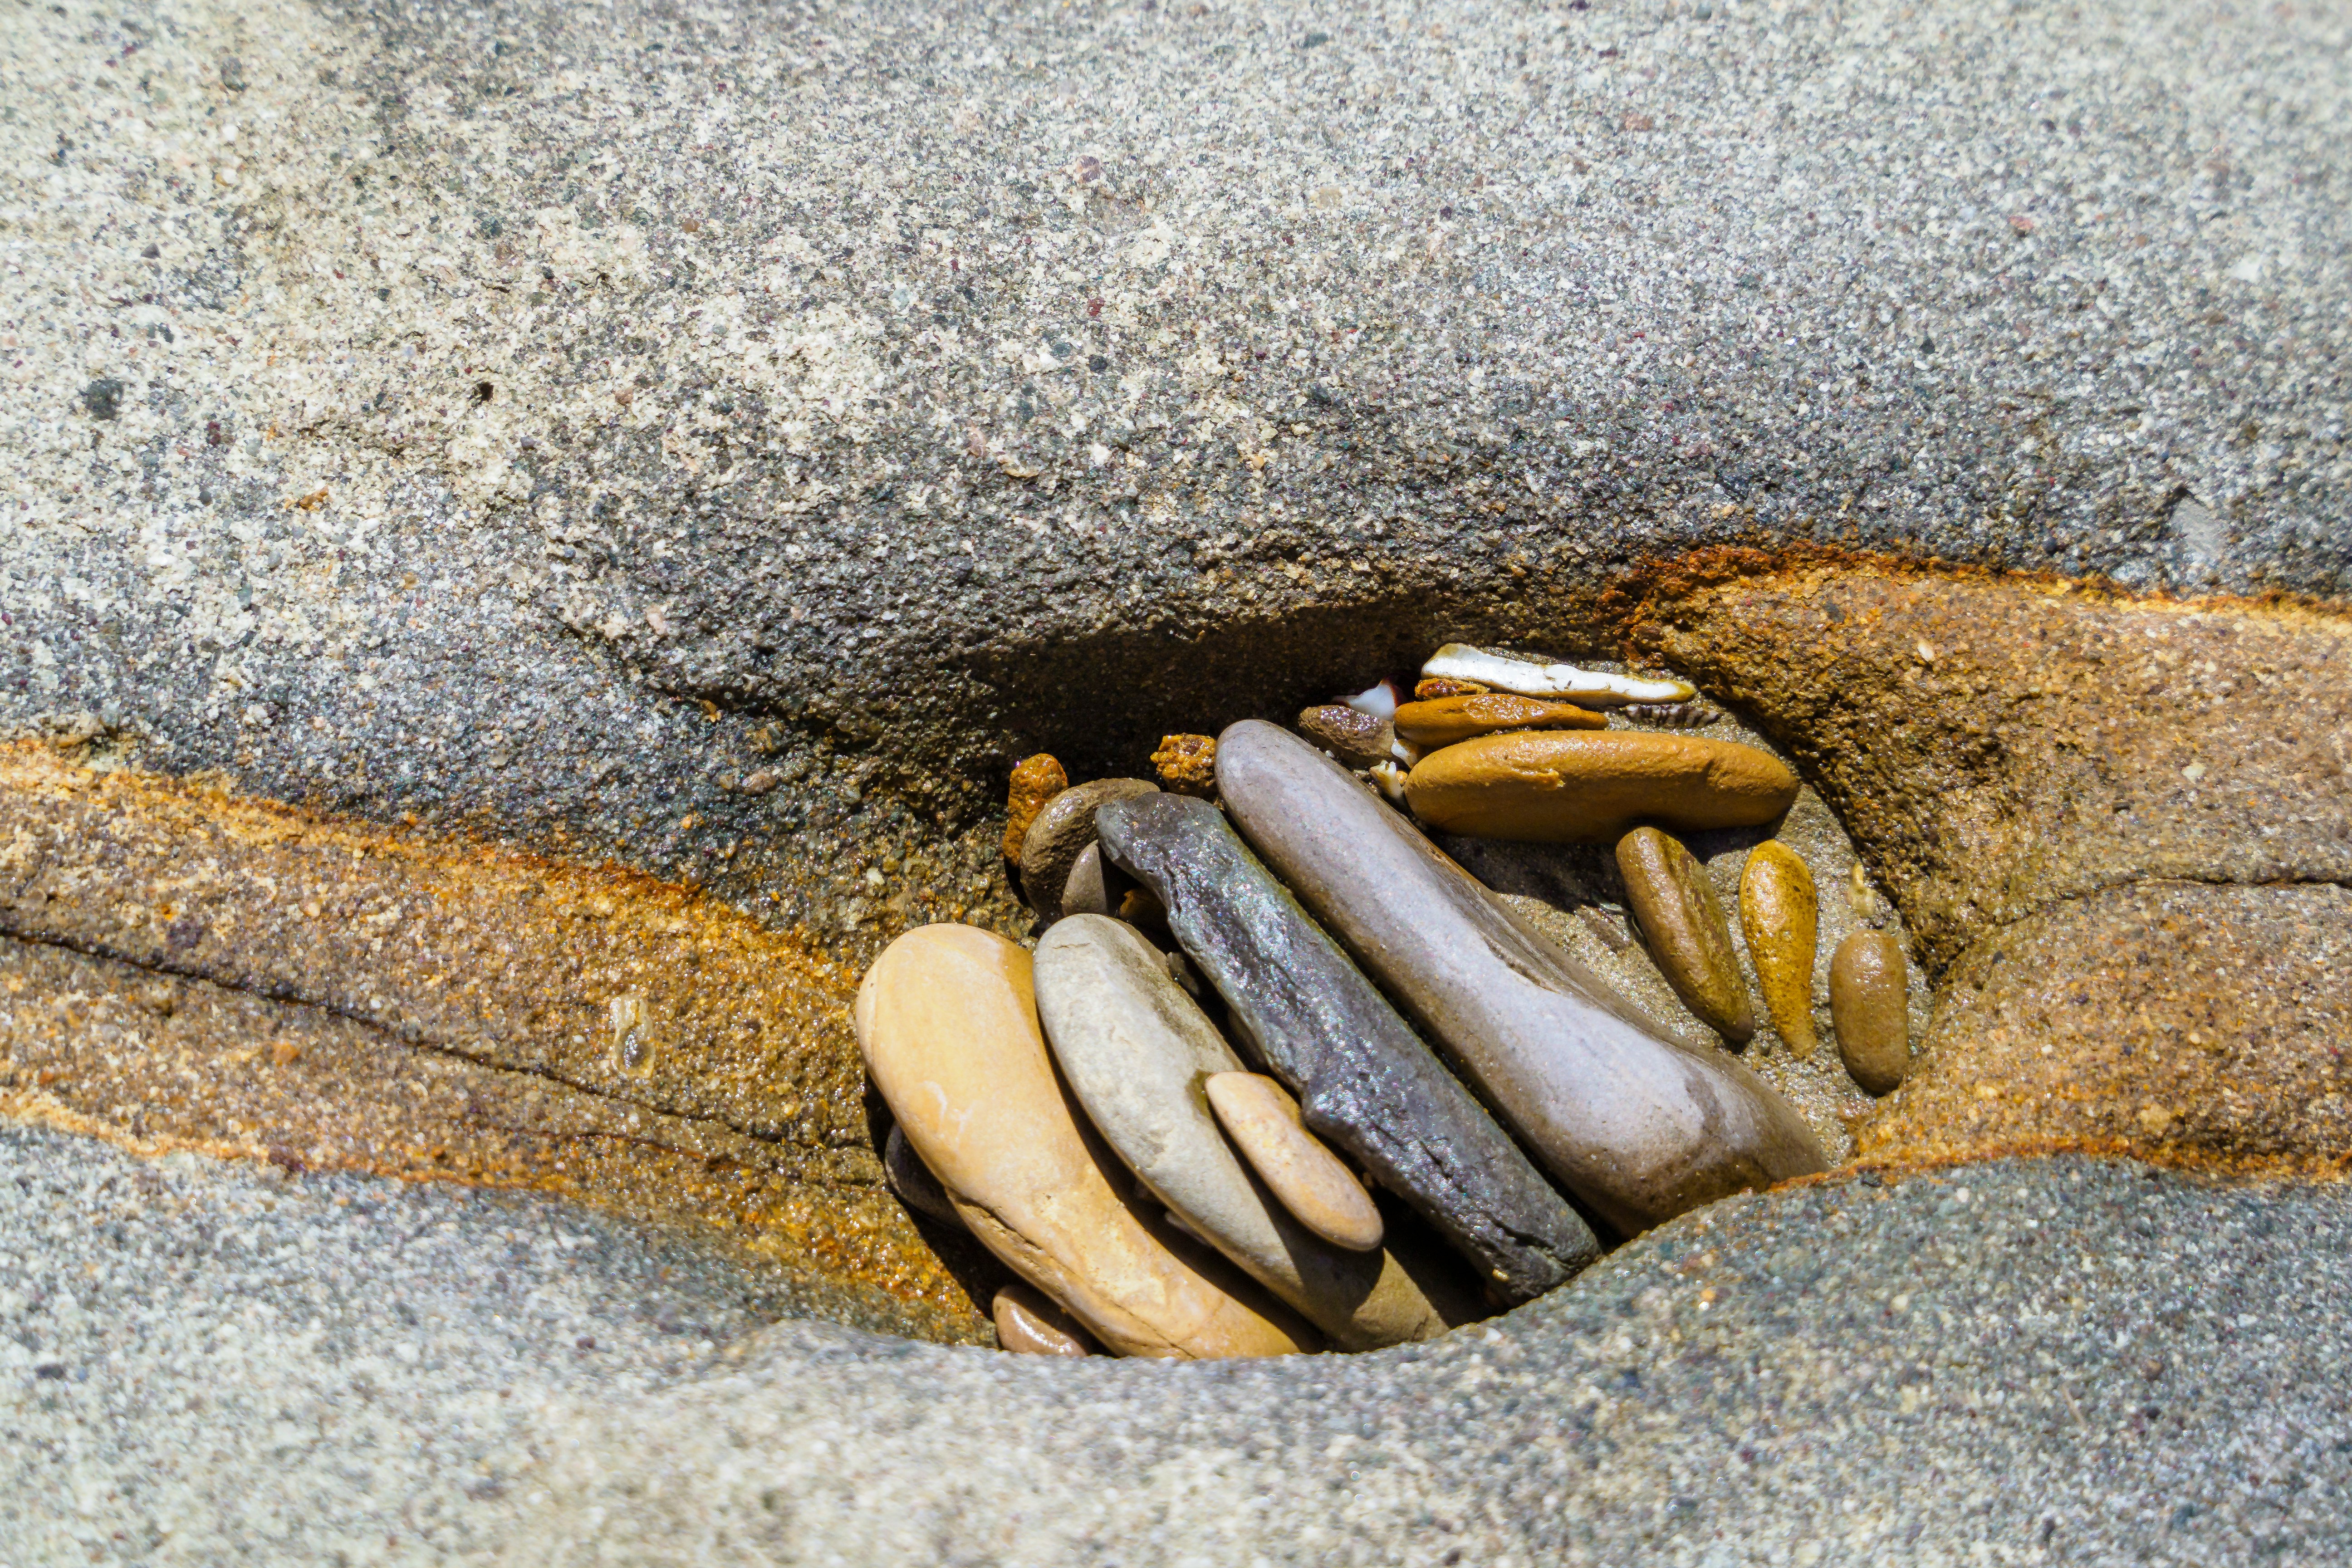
{"x":1364,"y":1079}
{"x":1637,"y":1126}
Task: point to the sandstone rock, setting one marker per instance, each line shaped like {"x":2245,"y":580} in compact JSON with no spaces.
{"x":1640,"y":1129}
{"x":1364,"y":1079}
{"x":913,"y":1181}
{"x":1551,"y":787}
{"x":1187,"y":763}
{"x":1028,"y":1322}
{"x":1429,"y":690}
{"x":1870,"y":1008}
{"x":1138,"y":1053}
{"x":1357,"y":738}
{"x":1261,"y":1119}
{"x":1444,"y":720}
{"x":1060,"y":834}
{"x":1036,"y":780}
{"x":1682,"y":924}
{"x":949,"y":1030}
{"x":1780,"y":914}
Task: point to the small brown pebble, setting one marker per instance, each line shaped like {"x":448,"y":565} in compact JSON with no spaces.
{"x":1095,"y":887}
{"x":1063,"y":828}
{"x":1870,"y":1008}
{"x":913,"y":1181}
{"x":1037,"y":779}
{"x":1779,"y":914}
{"x":1682,"y":926}
{"x":1143,"y":910}
{"x":1443,"y":721}
{"x":1430,"y":690}
{"x":1029,"y":1322}
{"x":1357,"y":738}
{"x":1188,"y":765}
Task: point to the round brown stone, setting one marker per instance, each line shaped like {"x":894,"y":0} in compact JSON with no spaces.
{"x":1870,"y":1009}
{"x":1030,"y":1323}
{"x":1061,"y":833}
{"x":1551,"y":787}
{"x":1781,"y":916}
{"x":1682,"y":926}
{"x":1357,"y":738}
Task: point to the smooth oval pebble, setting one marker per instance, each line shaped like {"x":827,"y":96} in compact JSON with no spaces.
{"x":913,"y":1181}
{"x":1357,"y":738}
{"x":1138,"y":1053}
{"x":947,"y":1025}
{"x":1779,"y":914}
{"x":1870,"y":1008}
{"x":1060,"y":834}
{"x":1448,"y":721}
{"x":1093,"y":888}
{"x":1258,"y":1114}
{"x":1036,"y":780}
{"x":1029,"y":1324}
{"x":1553,"y":786}
{"x":1682,"y":926}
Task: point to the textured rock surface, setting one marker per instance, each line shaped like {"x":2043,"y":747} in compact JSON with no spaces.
{"x":1363,"y":1079}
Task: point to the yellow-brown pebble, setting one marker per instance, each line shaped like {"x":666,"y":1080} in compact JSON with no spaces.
{"x":1036,"y":780}
{"x":1870,"y":1008}
{"x":1446,"y":721}
{"x":1439,"y":685}
{"x":1552,"y":786}
{"x":1780,"y":915}
{"x":1028,"y":1322}
{"x":1187,"y":764}
{"x":1682,"y":926}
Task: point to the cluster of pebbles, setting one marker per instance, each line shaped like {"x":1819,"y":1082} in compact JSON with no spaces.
{"x":1280,"y":1075}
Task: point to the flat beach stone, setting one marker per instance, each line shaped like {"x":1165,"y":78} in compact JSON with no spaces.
{"x":1029,"y":1322}
{"x":1560,"y":787}
{"x":1262,"y":1120}
{"x":1139,"y":1054}
{"x":1682,"y":924}
{"x":1780,"y":914}
{"x":1063,"y":828}
{"x":1446,"y":721}
{"x":1870,"y":1009}
{"x":1638,"y":1127}
{"x":948,"y":1026}
{"x":1364,"y":1079}
{"x":1357,"y":738}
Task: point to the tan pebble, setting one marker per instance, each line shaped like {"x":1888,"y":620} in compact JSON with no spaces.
{"x":1357,"y":738}
{"x":1187,"y":764}
{"x":1870,"y":1008}
{"x":1028,"y":1323}
{"x":1441,"y":686}
{"x":1781,"y":916}
{"x":1555,"y":786}
{"x":1682,"y":924}
{"x":1307,"y":1179}
{"x":1447,"y":721}
{"x":947,"y":1021}
{"x":1036,"y":780}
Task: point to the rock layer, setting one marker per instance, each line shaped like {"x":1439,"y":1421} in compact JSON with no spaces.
{"x":1564,"y":788}
{"x":1364,"y":1080}
{"x":1639,"y":1128}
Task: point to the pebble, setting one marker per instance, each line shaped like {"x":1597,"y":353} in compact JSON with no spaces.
{"x":1430,"y":690}
{"x":1550,"y":786}
{"x":1691,"y":715}
{"x":1061,"y":833}
{"x":1187,"y":764}
{"x":1139,"y":1054}
{"x":913,"y":1181}
{"x":1682,"y":926}
{"x":1029,"y":1324}
{"x":1092,"y":888}
{"x":1444,"y":720}
{"x":1870,"y":1008}
{"x":1780,"y":915}
{"x":1639,"y":1128}
{"x":1460,"y":661}
{"x":1258,"y":1114}
{"x":1357,"y":738}
{"x":1036,"y":780}
{"x":948,"y":1026}
{"x":1365,"y":1081}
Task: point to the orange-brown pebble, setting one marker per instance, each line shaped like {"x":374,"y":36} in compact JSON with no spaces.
{"x":1870,"y":1008}
{"x":1554,"y":787}
{"x":1439,"y":685}
{"x":1187,"y":764}
{"x":1444,"y":720}
{"x":1036,"y":780}
{"x":1779,"y":912}
{"x":1028,"y":1322}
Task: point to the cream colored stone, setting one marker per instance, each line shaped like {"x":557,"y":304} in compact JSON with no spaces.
{"x":1307,"y":1179}
{"x":948,"y":1024}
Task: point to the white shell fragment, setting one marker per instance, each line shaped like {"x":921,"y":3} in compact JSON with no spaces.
{"x":1390,"y":777}
{"x":1380,"y":701}
{"x":1460,"y":661}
